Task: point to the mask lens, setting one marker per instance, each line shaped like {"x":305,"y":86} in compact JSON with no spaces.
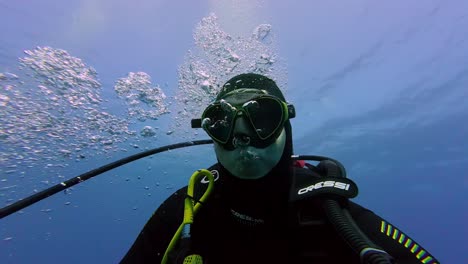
{"x":217,"y":122}
{"x":266,"y":115}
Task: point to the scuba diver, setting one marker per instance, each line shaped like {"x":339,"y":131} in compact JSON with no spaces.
{"x":266,"y":205}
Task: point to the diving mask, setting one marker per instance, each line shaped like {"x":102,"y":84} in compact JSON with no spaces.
{"x":266,"y":115}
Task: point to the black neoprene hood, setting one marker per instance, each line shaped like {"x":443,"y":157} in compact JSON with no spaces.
{"x":251,"y":80}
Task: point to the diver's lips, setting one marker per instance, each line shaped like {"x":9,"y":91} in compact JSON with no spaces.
{"x":246,"y":154}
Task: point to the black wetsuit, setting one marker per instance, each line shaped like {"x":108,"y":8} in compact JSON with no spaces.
{"x":253,"y":222}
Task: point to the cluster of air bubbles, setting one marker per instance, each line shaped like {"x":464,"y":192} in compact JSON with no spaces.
{"x":227,"y":107}
{"x":53,"y":111}
{"x":218,"y":56}
{"x":262,"y":33}
{"x":148,"y":131}
{"x":206,"y":122}
{"x":144,"y":100}
{"x":67,"y":76}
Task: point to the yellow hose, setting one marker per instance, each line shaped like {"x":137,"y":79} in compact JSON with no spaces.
{"x":191,"y":207}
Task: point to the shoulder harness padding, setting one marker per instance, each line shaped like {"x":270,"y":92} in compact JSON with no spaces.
{"x":325,"y":180}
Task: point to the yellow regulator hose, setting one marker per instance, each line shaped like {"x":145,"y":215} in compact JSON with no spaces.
{"x":191,"y":207}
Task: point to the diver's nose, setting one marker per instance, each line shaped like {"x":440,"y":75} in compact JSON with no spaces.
{"x":242,"y":134}
{"x":242,"y":127}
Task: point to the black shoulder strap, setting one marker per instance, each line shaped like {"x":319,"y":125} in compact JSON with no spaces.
{"x":323,"y":179}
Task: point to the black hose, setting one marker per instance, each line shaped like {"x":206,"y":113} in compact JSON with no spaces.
{"x":345,"y":226}
{"x":5,"y":211}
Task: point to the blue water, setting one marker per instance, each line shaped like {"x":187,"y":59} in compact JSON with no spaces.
{"x":382,"y":87}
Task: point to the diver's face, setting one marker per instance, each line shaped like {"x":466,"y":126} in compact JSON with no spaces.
{"x":245,"y":161}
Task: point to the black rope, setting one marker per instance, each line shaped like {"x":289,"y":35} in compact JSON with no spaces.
{"x":5,"y":211}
